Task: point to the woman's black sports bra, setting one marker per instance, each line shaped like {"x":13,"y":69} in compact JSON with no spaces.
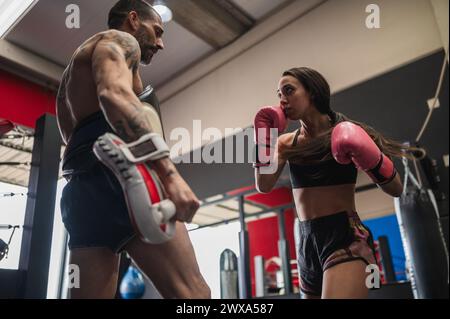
{"x":325,"y":173}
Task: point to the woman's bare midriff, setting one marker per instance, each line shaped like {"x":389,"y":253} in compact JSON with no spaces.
{"x":314,"y":202}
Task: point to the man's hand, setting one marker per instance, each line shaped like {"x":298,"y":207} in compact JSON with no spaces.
{"x":178,"y":191}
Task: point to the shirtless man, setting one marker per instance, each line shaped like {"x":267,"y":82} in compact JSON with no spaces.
{"x":98,"y":94}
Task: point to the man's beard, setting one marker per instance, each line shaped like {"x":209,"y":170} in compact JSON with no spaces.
{"x":146,"y":48}
{"x":146,"y":56}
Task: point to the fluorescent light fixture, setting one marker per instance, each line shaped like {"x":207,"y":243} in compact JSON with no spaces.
{"x":163,"y":10}
{"x":191,"y":226}
{"x":213,"y":198}
{"x":11,"y":12}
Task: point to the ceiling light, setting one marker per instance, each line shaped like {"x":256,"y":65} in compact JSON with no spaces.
{"x":163,"y":10}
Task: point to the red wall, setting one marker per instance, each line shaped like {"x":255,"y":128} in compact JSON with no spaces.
{"x":23,"y":102}
{"x":263,"y":233}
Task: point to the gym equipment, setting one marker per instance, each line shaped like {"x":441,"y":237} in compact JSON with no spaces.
{"x":4,"y":247}
{"x":245,"y":291}
{"x":150,"y":212}
{"x":283,"y":252}
{"x":229,"y":287}
{"x":386,"y":259}
{"x":260,"y":276}
{"x":132,"y":285}
{"x":5,"y":127}
{"x":423,"y":240}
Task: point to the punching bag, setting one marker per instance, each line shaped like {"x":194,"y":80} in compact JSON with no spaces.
{"x":425,"y":248}
{"x":229,"y":282}
{"x":132,"y":285}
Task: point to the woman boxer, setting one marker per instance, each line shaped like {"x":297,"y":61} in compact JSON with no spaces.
{"x":323,"y":156}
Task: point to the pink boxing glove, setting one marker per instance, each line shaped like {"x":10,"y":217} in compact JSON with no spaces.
{"x":351,"y":143}
{"x":269,"y":122}
{"x":268,"y":117}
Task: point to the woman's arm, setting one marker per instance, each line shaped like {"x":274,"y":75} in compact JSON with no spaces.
{"x":269,"y":122}
{"x":351,"y":143}
{"x":264,"y":181}
{"x":393,"y":188}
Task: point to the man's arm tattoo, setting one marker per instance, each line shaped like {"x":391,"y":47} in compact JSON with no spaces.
{"x":134,"y":126}
{"x":130,"y":48}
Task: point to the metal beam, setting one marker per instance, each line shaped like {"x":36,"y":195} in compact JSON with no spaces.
{"x":283,"y":251}
{"x":236,"y":12}
{"x":226,"y":197}
{"x":210,"y":21}
{"x":262,"y":212}
{"x":27,"y":64}
{"x":245,"y":286}
{"x":39,"y":213}
{"x":16,"y":147}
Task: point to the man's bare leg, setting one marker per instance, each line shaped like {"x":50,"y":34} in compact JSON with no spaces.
{"x":172,"y":266}
{"x":99,"y":269}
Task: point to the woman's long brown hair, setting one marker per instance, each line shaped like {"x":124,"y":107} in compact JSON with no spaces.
{"x":318,"y":149}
